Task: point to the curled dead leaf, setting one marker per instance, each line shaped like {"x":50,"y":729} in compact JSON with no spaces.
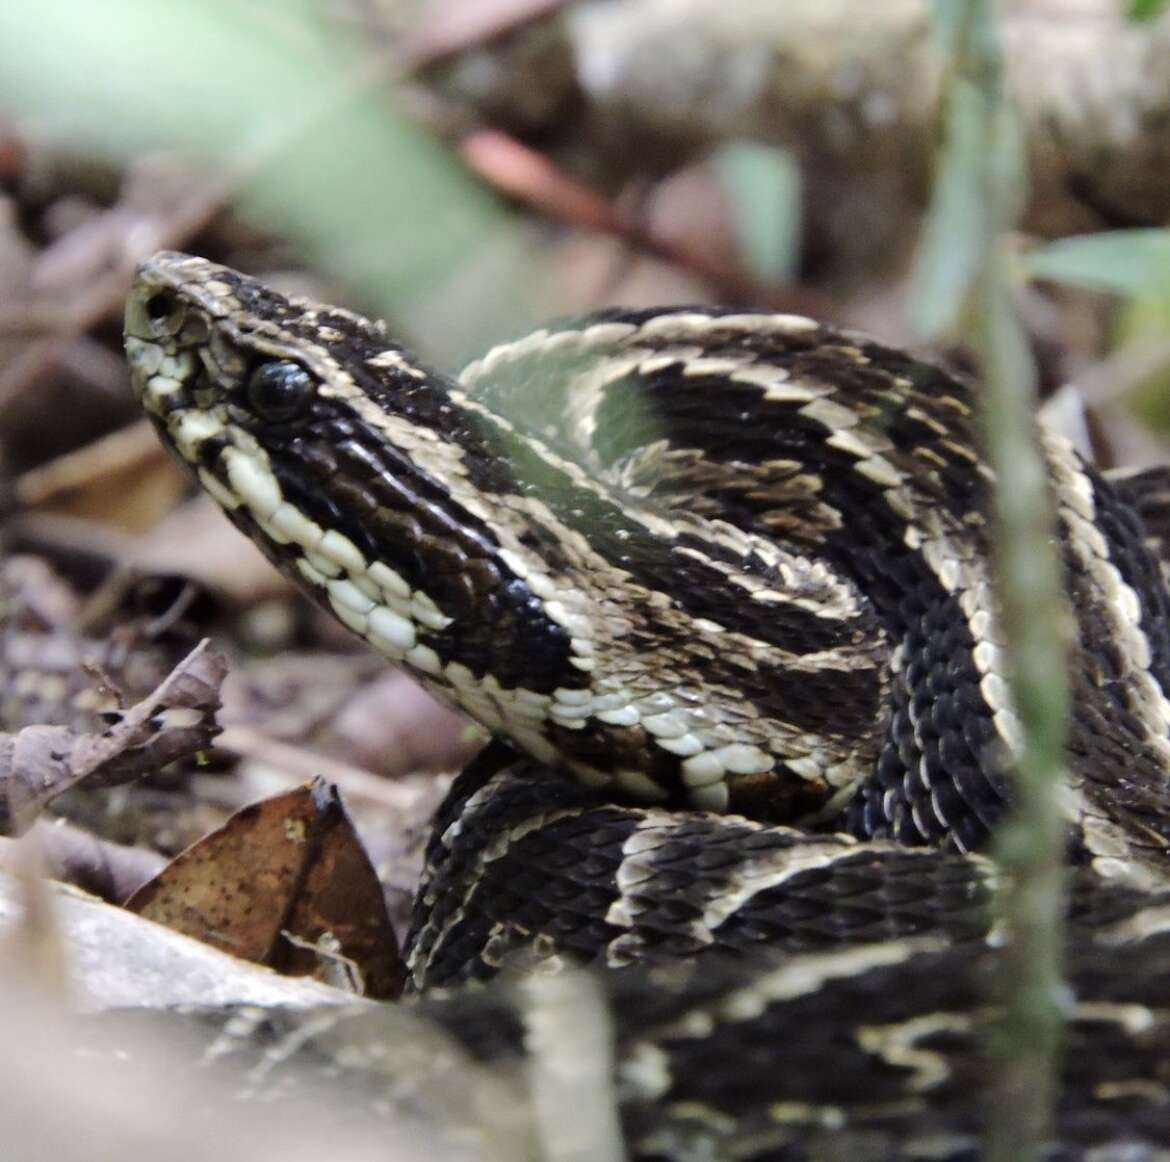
{"x":285,"y":883}
{"x":177,"y":719}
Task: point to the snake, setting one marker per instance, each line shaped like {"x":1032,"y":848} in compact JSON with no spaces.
{"x":719,"y":583}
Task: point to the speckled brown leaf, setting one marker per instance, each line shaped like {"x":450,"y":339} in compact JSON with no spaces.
{"x":286,"y":883}
{"x":178,"y":719}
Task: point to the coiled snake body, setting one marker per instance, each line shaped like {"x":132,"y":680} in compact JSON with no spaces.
{"x":721,"y":582}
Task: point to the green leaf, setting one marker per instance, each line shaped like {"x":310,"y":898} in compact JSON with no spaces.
{"x":1144,"y":9}
{"x":763,"y":185}
{"x":980,"y":181}
{"x":953,"y":233}
{"x":1125,"y":262}
{"x":1142,"y":324}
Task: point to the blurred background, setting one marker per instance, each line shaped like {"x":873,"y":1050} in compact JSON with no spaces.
{"x":466,"y":169}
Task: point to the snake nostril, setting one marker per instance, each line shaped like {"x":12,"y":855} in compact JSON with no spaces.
{"x":159,"y":305}
{"x":160,"y":313}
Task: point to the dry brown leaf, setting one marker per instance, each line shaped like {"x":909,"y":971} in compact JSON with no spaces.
{"x":125,"y":478}
{"x":393,"y":726}
{"x":178,"y":719}
{"x":286,"y":883}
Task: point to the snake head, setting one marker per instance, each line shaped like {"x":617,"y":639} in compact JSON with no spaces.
{"x":334,"y":451}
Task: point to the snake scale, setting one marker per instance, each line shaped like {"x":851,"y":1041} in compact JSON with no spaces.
{"x":718,"y":583}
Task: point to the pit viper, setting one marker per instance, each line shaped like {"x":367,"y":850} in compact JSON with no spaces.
{"x":719,"y":583}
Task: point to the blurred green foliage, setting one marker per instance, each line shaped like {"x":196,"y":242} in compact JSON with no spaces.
{"x":981,"y":150}
{"x":1145,"y":9}
{"x":1146,"y":321}
{"x":282,"y":110}
{"x":1134,"y":264}
{"x":763,"y":186}
{"x":1124,"y":262}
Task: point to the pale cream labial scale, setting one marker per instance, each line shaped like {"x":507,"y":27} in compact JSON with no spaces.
{"x":372,"y":600}
{"x":161,"y":374}
{"x":188,"y":429}
{"x":251,"y":480}
{"x":160,"y":389}
{"x":375,"y":602}
{"x":145,"y":358}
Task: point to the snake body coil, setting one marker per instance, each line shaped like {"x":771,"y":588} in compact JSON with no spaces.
{"x":722,"y":579}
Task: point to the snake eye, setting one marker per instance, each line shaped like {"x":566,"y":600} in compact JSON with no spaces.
{"x":280,"y":390}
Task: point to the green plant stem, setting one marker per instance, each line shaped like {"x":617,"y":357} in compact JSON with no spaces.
{"x":1025,"y":1043}
{"x":963,"y":279}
